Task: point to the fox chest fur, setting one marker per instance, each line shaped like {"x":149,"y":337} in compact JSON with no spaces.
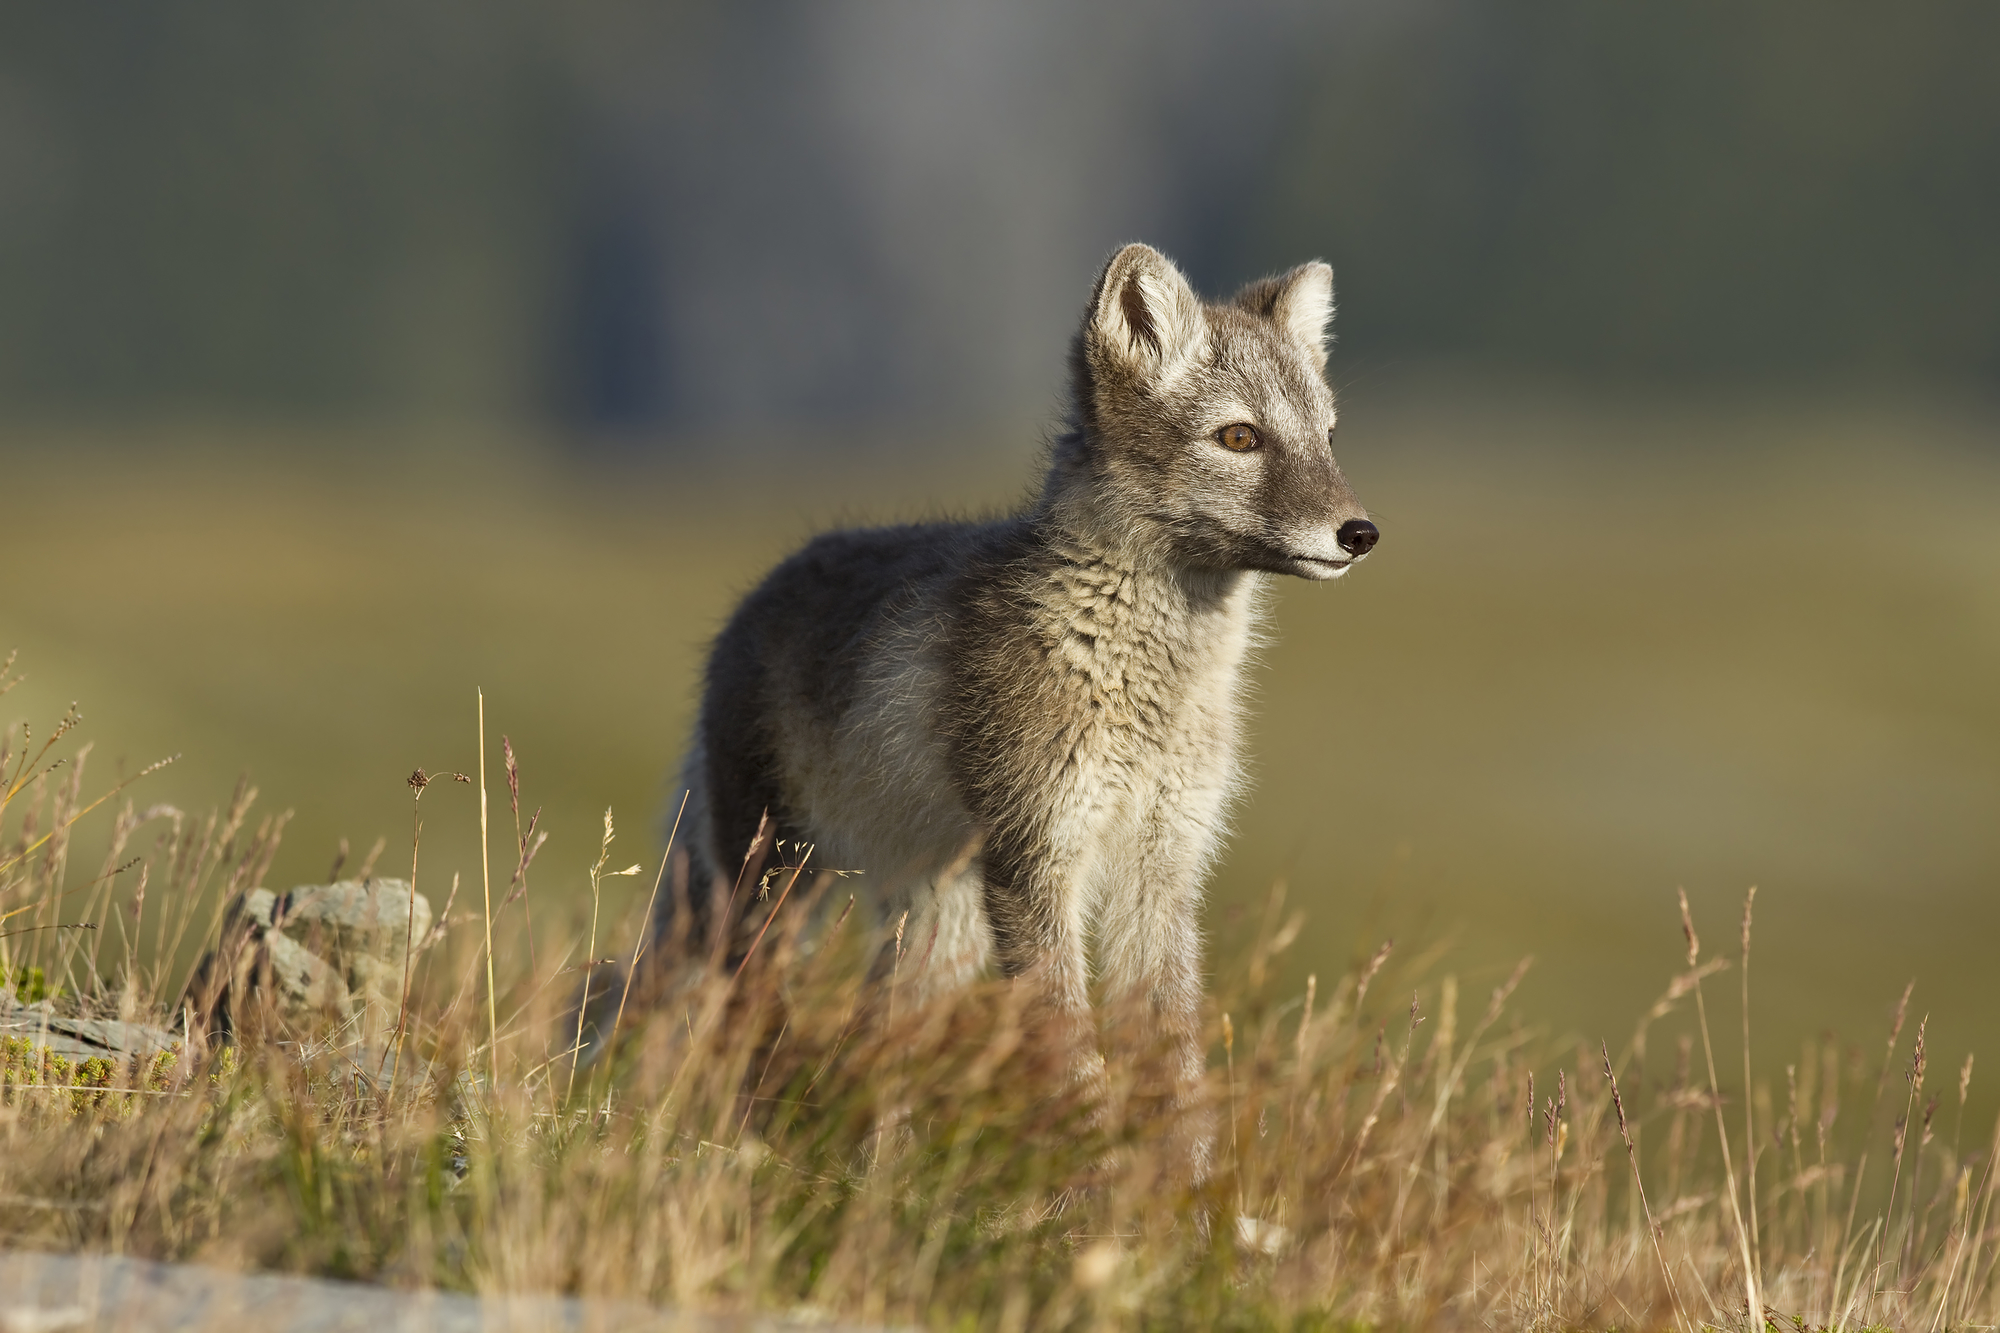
{"x":1091,"y":703}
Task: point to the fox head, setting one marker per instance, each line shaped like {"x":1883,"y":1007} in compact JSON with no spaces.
{"x":1204,"y":432}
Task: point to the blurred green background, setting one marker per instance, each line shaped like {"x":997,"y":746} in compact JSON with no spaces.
{"x":355,"y":358}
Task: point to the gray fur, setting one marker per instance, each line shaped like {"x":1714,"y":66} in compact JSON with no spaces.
{"x":1025,"y":732}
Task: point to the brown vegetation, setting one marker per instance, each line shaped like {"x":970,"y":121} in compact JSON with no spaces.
{"x":786,"y":1136}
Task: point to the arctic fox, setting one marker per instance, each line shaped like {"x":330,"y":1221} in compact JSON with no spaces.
{"x":1025,"y":732}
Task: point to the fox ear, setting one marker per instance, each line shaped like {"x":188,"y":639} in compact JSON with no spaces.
{"x":1145,"y":316}
{"x":1302,"y":305}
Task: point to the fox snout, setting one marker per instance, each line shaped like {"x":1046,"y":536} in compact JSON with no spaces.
{"x":1329,"y":559}
{"x":1328,"y":549}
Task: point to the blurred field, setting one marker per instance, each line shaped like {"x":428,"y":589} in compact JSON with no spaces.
{"x":1604,"y":650}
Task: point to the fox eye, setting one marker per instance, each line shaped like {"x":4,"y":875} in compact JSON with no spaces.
{"x":1240,"y":437}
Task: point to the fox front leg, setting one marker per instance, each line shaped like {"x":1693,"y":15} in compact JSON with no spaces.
{"x":1034,"y":906}
{"x":1151,"y":952}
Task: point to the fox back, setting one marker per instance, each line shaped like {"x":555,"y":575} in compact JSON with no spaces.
{"x":1025,"y":732}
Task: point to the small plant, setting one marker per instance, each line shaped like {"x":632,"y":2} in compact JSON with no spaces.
{"x":29,"y":984}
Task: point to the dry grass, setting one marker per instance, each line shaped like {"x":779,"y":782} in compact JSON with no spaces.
{"x":1386,"y":1153}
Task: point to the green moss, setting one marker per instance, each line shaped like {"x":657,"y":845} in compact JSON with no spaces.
{"x":29,"y":984}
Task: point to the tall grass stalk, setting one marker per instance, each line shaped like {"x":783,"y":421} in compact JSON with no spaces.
{"x":644,"y":935}
{"x":590,"y":950}
{"x":418,"y":781}
{"x":1752,"y":1300}
{"x":1750,"y":1140}
{"x":1639,"y":1186}
{"x":486,"y":891}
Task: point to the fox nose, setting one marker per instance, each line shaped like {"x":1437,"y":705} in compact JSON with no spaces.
{"x":1357,"y":537}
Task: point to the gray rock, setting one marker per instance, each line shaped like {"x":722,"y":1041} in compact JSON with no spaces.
{"x":362,"y":917}
{"x":48,"y":1292}
{"x":79,"y":1039}
{"x":336,"y":950}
